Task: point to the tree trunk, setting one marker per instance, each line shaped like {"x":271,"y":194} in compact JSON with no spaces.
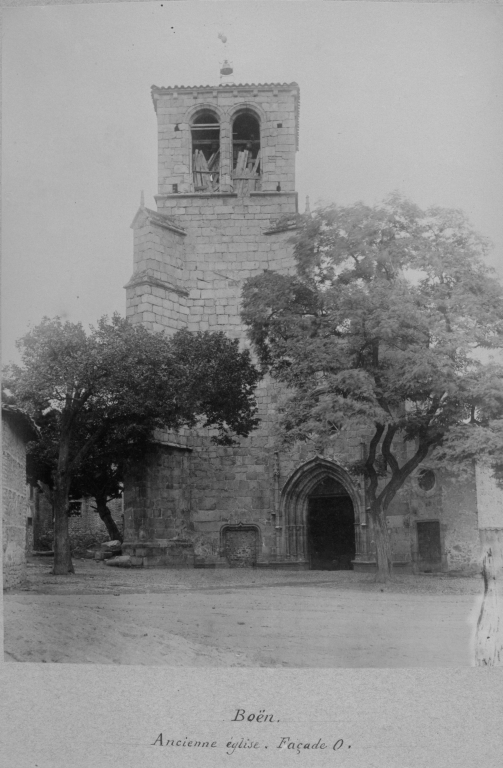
{"x":106,"y":516}
{"x":382,"y":544}
{"x":62,"y":554}
{"x":489,"y":629}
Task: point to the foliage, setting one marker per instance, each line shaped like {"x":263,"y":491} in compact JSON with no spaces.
{"x":382,"y":326}
{"x":119,"y":369}
{"x":99,"y":396}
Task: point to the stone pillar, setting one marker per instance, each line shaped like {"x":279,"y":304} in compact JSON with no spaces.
{"x":275,"y":516}
{"x":358,"y":537}
{"x":364,"y":539}
{"x":302,"y":541}
{"x":225,"y":156}
{"x":156,"y":509}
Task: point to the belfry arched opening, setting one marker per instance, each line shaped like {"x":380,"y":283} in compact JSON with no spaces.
{"x":331,"y":542}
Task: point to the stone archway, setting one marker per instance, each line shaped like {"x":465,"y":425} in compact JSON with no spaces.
{"x":294,"y":506}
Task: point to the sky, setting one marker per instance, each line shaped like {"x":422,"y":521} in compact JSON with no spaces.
{"x":394,"y":96}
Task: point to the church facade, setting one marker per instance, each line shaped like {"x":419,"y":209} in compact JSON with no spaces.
{"x":226,"y":177}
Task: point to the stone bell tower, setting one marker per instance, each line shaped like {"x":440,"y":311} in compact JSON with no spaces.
{"x":226,"y":171}
{"x":226,"y":206}
{"x":204,"y":133}
{"x":226,"y":177}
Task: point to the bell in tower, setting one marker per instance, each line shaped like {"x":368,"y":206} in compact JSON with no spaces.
{"x":226,"y":72}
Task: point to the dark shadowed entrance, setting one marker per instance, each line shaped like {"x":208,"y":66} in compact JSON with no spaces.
{"x":330,"y":527}
{"x":429,"y":548}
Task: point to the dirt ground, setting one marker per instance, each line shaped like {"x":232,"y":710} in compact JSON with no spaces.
{"x":238,"y":618}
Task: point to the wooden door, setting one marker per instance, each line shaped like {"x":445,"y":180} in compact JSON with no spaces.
{"x":429,"y":549}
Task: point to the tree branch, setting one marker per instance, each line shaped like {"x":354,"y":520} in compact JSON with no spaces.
{"x":375,"y":363}
{"x":398,"y":478}
{"x":386,"y":448}
{"x":369,"y":463}
{"x":87,"y":445}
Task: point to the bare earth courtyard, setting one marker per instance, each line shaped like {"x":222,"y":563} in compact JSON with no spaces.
{"x":238,"y":617}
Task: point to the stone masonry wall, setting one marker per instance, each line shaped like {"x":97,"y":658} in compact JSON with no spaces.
{"x":15,"y":506}
{"x":453,"y":504}
{"x":460,"y":521}
{"x":227,"y":241}
{"x":157,"y":501}
{"x":89,"y":522}
{"x":85,"y":529}
{"x":156,"y":293}
{"x":489,"y":499}
{"x":275,"y":106}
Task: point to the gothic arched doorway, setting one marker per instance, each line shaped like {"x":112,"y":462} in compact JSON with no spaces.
{"x":331,"y":542}
{"x":322,"y":511}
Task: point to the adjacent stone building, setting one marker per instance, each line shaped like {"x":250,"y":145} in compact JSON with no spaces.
{"x":226,"y":171}
{"x":85,"y":527}
{"x":17,"y":431}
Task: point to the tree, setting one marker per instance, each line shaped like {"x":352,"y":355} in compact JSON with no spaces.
{"x":98,"y":395}
{"x":381,"y":327}
{"x":101,"y":475}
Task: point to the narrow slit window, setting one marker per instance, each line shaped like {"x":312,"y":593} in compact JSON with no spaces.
{"x":246,"y":162}
{"x":205,"y":130}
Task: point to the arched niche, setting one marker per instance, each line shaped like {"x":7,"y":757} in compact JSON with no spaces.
{"x":246,"y":136}
{"x":240,"y":544}
{"x":246,"y":126}
{"x":205,"y":149}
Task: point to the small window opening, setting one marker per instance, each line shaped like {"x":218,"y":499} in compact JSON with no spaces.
{"x":426,"y":479}
{"x":205,"y":130}
{"x":74,"y":508}
{"x":246,"y":153}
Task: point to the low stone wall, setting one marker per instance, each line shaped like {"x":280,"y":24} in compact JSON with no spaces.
{"x":168,"y":554}
{"x":86,"y":530}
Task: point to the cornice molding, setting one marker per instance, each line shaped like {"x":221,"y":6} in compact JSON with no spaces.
{"x":155,"y":282}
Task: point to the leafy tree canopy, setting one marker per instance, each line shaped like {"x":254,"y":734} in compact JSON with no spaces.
{"x":98,"y":397}
{"x":119,"y":370}
{"x":381,"y":325}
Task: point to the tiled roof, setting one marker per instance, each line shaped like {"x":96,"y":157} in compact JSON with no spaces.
{"x":226,"y":85}
{"x":159,"y":219}
{"x":21,"y":420}
{"x":286,"y":223}
{"x":162,"y":219}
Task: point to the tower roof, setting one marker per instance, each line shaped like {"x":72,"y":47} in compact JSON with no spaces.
{"x":21,"y":421}
{"x":167,"y":88}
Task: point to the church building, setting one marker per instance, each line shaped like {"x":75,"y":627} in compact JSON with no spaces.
{"x":226,"y":178}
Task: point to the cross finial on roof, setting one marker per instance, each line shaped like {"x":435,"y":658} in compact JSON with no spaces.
{"x":308,"y":207}
{"x":142,"y":200}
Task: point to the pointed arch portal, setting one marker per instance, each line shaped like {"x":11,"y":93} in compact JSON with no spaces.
{"x":321,"y":509}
